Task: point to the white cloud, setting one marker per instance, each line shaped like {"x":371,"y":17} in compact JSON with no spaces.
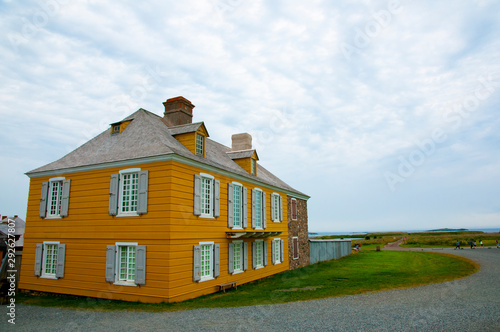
{"x":328,"y":124}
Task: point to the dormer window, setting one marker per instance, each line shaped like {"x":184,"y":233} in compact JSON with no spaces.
{"x":200,"y":145}
{"x":254,"y":166}
{"x":116,"y":129}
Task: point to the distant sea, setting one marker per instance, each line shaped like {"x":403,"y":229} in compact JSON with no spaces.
{"x":486,"y":230}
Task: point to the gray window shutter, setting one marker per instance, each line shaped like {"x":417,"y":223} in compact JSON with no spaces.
{"x":281,"y":208}
{"x":110,"y":263}
{"x":142,"y":197}
{"x":273,"y":244}
{"x":244,"y":213}
{"x":264,"y":211}
{"x":216,"y":260}
{"x":65,"y":198}
{"x":113,"y":194}
{"x":265,"y":252}
{"x":140,"y":265}
{"x":38,"y":259}
{"x":231,"y":258}
{"x":254,"y":192}
{"x":216,"y":198}
{"x":196,"y":263}
{"x":61,"y":254}
{"x":245,"y":256}
{"x":254,"y":254}
{"x":272,"y":207}
{"x":197,"y":195}
{"x":282,"y":245}
{"x":43,"y":200}
{"x":230,"y":206}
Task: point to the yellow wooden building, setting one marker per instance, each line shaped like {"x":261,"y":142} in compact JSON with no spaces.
{"x":152,"y":210}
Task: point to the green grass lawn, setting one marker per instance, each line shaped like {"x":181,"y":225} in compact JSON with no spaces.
{"x":354,"y":274}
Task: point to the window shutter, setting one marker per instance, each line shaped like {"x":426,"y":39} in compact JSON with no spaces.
{"x":282,"y":249}
{"x":244,"y":213}
{"x":65,"y":198}
{"x":142,"y":197}
{"x":216,"y":260}
{"x":295,"y":247}
{"x":217,"y":198}
{"x":245,"y":256}
{"x":264,"y":244}
{"x":254,"y":254}
{"x":281,"y":208}
{"x":38,"y":259}
{"x":230,"y":206}
{"x":110,"y":263}
{"x":264,"y":211}
{"x":254,"y":192}
{"x":294,"y":209}
{"x":196,"y":263}
{"x":231,"y":258}
{"x":43,"y":199}
{"x":113,"y":195}
{"x":272,"y":207}
{"x":197,"y":195}
{"x":273,"y":244}
{"x":140,"y":265}
{"x":61,"y":253}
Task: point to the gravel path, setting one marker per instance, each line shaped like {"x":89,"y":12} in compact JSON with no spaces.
{"x":468,"y":304}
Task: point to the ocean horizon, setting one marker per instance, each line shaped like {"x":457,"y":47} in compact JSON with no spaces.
{"x":485,"y":230}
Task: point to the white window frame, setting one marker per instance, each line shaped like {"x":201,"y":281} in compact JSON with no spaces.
{"x":120,"y":192}
{"x":241,"y":267}
{"x":205,"y":176}
{"x":202,"y":154}
{"x":236,"y":207}
{"x":210,"y":260}
{"x":293,"y":247}
{"x":44,"y":273}
{"x":275,"y":213}
{"x":258,"y":210}
{"x":259,"y":244}
{"x":277,"y":251}
{"x":50,"y":201}
{"x":296,"y":209}
{"x":117,"y":263}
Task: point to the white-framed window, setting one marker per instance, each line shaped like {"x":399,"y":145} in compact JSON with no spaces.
{"x":238,"y":257}
{"x":126,"y":264}
{"x":294,"y":209}
{"x":49,"y":262}
{"x":258,"y":209}
{"x":237,"y":205}
{"x":276,"y":207}
{"x":207,"y":193}
{"x":55,"y":198}
{"x":207,"y":260}
{"x":259,"y":253}
{"x":129,"y":189}
{"x":277,"y":251}
{"x":200,"y":145}
{"x":295,"y":247}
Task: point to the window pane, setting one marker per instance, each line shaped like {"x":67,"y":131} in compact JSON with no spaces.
{"x":258,"y":209}
{"x":238,"y":259}
{"x":237,"y":203}
{"x":200,"y":145}
{"x":129,"y":186}
{"x":50,"y":259}
{"x":206,"y":260}
{"x":206,"y":196}
{"x":55,"y":195}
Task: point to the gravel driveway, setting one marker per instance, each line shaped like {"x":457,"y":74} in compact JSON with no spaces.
{"x":468,"y":304}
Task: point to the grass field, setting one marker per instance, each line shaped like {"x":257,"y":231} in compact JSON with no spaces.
{"x":354,"y":274}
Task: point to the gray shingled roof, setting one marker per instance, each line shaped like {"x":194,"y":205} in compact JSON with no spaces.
{"x":187,"y":128}
{"x":148,"y":136}
{"x":240,"y":154}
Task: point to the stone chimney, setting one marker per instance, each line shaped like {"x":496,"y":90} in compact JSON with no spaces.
{"x":241,"y":142}
{"x":178,"y":111}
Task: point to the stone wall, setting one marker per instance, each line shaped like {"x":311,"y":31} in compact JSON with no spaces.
{"x":298,"y":228}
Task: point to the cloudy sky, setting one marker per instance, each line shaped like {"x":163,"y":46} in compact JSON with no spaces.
{"x":386,"y":113}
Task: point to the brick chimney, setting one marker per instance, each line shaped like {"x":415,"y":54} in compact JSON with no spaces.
{"x":178,"y":111}
{"x":241,"y":142}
